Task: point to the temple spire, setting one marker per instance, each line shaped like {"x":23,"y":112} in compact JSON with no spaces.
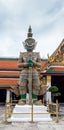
{"x":29,"y":35}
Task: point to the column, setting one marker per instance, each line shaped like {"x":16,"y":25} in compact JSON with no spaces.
{"x":8,"y":96}
{"x":8,"y":107}
{"x":48,"y":95}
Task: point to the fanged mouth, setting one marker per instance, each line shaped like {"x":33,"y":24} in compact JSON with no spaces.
{"x":30,"y":44}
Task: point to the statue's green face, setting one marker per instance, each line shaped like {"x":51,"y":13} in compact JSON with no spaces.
{"x":29,"y":44}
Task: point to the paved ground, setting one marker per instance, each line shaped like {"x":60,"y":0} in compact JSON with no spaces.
{"x":31,"y":126}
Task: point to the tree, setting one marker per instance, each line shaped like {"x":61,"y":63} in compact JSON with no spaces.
{"x":54,"y":92}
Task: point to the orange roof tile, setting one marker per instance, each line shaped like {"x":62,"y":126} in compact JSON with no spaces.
{"x":13,"y":63}
{"x":8,"y":64}
{"x":11,"y":73}
{"x":7,"y":81}
{"x":58,"y":69}
{"x":43,"y":63}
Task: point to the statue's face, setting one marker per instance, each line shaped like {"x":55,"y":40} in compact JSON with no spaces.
{"x":29,"y":44}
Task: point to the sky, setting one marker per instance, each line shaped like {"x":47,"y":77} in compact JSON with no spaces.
{"x":46,"y":18}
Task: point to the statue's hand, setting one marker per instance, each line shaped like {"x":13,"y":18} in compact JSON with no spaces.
{"x":30,"y":63}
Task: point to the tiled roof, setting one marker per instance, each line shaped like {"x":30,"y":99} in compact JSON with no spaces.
{"x":7,"y":81}
{"x":59,"y":69}
{"x":8,"y":63}
{"x":43,"y":63}
{"x":12,"y":64}
{"x":55,"y":70}
{"x":9,"y":73}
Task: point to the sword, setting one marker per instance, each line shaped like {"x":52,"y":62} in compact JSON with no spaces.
{"x":30,"y":84}
{"x":30,"y":64}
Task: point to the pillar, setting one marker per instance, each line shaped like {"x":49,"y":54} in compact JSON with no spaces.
{"x":8,"y":96}
{"x":48,"y":95}
{"x":8,"y":107}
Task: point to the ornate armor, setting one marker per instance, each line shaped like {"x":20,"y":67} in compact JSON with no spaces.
{"x":24,"y":76}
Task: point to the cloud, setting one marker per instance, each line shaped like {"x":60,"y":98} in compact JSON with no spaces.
{"x":45,"y":17}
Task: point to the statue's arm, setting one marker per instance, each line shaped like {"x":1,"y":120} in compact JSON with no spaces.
{"x":38,"y":61}
{"x":38,"y":64}
{"x":21,"y":63}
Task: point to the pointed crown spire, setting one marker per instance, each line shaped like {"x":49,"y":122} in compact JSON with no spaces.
{"x":29,"y":35}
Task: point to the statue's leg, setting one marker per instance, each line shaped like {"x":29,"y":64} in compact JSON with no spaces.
{"x":34,"y":97}
{"x":23,"y":85}
{"x":23,"y":97}
{"x":36,"y":85}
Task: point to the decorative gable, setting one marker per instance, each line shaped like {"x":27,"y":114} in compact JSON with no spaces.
{"x":57,"y":58}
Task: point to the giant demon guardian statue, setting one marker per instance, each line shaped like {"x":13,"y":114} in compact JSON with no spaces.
{"x":30,"y":63}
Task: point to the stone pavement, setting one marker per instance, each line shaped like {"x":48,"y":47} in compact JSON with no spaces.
{"x":31,"y":126}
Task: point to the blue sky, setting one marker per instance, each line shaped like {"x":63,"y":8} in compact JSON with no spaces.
{"x":46,"y":18}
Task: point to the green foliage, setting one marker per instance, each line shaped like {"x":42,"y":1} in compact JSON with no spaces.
{"x":57,"y":94}
{"x":54,"y":91}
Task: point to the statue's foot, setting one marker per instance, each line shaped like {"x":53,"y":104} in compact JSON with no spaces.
{"x":15,"y":90}
{"x":20,"y":102}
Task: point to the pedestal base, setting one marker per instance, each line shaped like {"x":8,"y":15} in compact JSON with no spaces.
{"x":23,"y":113}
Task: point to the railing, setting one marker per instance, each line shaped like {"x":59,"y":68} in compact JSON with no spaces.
{"x":52,"y":109}
{"x":61,"y":109}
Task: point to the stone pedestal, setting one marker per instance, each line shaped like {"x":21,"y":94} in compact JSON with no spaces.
{"x":23,"y":113}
